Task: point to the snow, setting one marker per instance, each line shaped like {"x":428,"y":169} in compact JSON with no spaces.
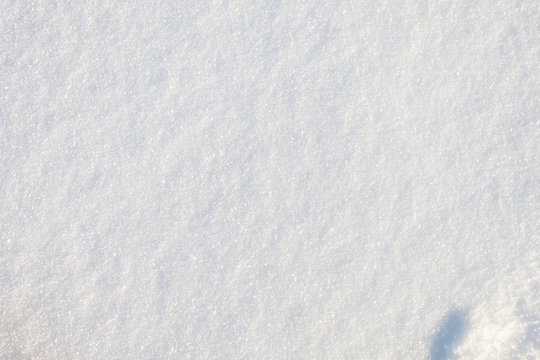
{"x":265,"y":180}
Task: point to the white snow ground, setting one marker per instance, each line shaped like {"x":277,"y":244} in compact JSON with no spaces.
{"x":269,"y":180}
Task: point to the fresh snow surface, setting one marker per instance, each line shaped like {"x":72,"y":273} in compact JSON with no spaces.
{"x":201,"y":179}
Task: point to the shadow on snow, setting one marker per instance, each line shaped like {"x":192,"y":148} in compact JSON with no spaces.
{"x":451,"y":332}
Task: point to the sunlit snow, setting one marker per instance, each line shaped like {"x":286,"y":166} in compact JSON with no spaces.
{"x":271,"y":179}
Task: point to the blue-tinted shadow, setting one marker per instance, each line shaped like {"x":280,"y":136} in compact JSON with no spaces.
{"x":451,"y":332}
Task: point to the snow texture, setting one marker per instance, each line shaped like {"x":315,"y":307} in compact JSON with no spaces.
{"x":342,"y":179}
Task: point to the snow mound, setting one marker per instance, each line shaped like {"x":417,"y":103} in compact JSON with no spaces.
{"x":507,"y":325}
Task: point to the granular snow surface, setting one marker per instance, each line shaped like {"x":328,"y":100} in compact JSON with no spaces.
{"x":201,"y":179}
